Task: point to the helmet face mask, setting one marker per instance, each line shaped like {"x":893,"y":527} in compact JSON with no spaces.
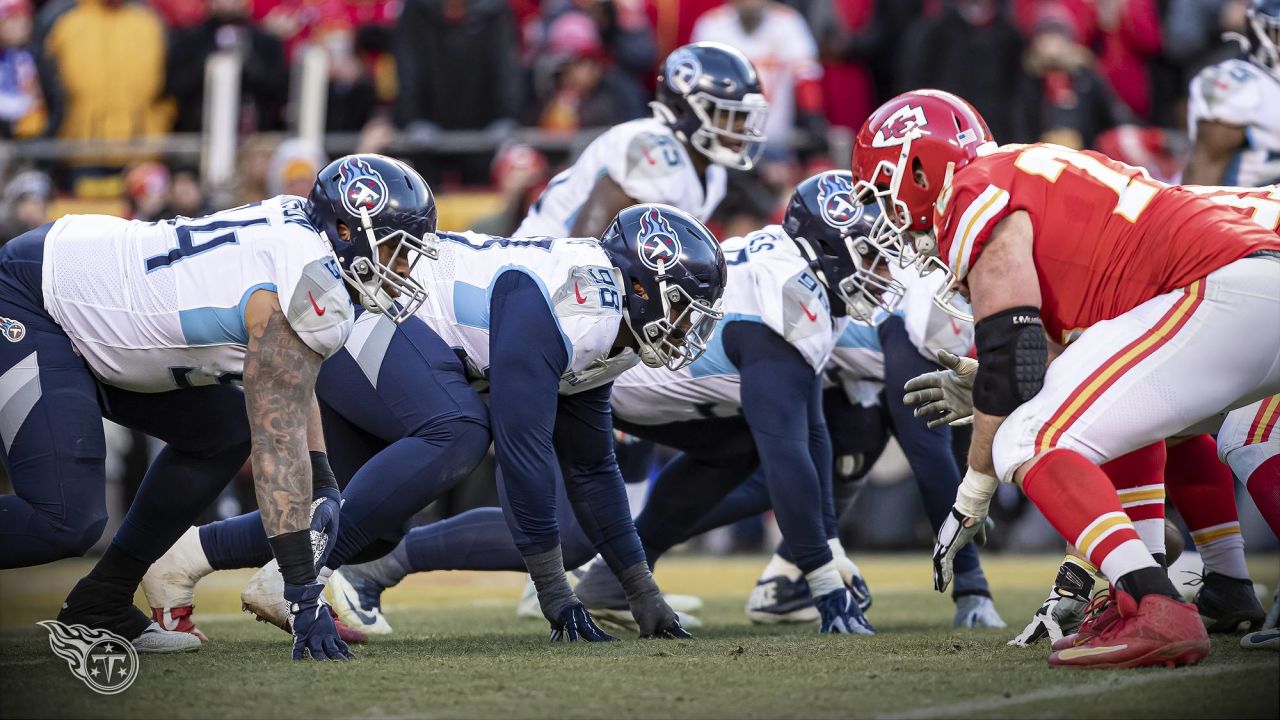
{"x":672,"y":272}
{"x":379,"y":217}
{"x":372,"y":276}
{"x":1264,"y":22}
{"x":675,"y":343}
{"x":732,"y":131}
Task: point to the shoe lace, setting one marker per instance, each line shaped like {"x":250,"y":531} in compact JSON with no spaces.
{"x":1096,"y":610}
{"x":1196,"y":580}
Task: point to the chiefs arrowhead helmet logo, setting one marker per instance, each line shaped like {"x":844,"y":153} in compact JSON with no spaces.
{"x":906,"y":121}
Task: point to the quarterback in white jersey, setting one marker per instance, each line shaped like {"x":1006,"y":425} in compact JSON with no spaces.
{"x":1233,"y":113}
{"x":154,"y":325}
{"x":709,"y":114}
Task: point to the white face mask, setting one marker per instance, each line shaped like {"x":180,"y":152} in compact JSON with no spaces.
{"x":676,"y":342}
{"x":370,"y":277}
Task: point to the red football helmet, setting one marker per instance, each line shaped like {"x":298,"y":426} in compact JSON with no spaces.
{"x":910,"y":145}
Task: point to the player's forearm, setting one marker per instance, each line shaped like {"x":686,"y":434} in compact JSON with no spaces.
{"x":280,"y":373}
{"x":984,"y":433}
{"x":315,"y":428}
{"x":1205,"y":169}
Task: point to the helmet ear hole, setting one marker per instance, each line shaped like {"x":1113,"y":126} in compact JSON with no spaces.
{"x":917,"y":174}
{"x":639,"y":290}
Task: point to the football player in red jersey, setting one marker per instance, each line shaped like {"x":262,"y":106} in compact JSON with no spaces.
{"x":1153,"y":290}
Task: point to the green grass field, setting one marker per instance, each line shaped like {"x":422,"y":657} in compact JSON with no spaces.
{"x":459,"y":651}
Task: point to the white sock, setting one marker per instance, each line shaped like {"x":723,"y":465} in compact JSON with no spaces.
{"x":777,"y":566}
{"x":1222,"y":550}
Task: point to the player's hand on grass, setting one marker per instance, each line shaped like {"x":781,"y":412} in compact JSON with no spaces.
{"x":956,"y":532}
{"x":656,"y":619}
{"x":944,"y":397}
{"x":313,"y":630}
{"x":1063,"y":611}
{"x":575,"y":624}
{"x":841,"y":614}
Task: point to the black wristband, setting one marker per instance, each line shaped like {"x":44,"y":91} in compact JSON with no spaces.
{"x":293,"y":552}
{"x":321,"y":474}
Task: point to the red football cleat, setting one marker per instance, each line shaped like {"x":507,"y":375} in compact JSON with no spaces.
{"x":1099,"y":614}
{"x":178,"y":620}
{"x":1158,"y":631}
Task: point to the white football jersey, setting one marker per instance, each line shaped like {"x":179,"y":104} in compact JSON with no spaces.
{"x":160,"y":306}
{"x":857,"y":362}
{"x":1238,"y":92}
{"x":645,"y":159}
{"x":768,"y":282}
{"x":580,"y":285}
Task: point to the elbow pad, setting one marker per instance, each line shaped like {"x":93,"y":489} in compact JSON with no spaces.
{"x":1013,"y":354}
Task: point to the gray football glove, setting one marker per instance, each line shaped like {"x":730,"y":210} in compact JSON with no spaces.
{"x":1063,"y":611}
{"x":944,"y":397}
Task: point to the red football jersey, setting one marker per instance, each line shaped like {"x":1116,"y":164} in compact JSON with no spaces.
{"x":1261,"y":205}
{"x":1107,"y":238}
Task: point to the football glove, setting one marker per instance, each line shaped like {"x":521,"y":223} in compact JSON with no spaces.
{"x":575,"y":624}
{"x":1063,"y":611}
{"x":313,"y":628}
{"x":841,"y":615}
{"x":956,"y":532}
{"x":945,"y":396}
{"x":656,"y":619}
{"x":326,"y":505}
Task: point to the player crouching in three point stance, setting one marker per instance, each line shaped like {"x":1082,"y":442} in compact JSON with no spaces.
{"x":150,"y":325}
{"x":1149,"y":286}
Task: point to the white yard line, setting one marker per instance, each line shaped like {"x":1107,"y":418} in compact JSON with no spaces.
{"x":1110,"y":684}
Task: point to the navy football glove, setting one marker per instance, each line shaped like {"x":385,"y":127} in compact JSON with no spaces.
{"x":575,"y":624}
{"x":313,"y":628}
{"x":326,"y":505}
{"x":841,"y":614}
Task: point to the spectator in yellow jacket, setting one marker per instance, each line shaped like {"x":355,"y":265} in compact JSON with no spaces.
{"x":110,"y":56}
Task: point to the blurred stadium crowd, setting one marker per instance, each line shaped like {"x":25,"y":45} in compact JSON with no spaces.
{"x":105,"y":106}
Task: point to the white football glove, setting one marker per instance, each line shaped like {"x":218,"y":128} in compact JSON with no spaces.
{"x":956,"y":532}
{"x":1063,"y":611}
{"x":946,"y":396}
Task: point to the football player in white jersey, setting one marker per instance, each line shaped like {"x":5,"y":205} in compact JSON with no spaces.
{"x":1233,"y":114}
{"x":709,"y":115}
{"x":151,"y":325}
{"x":548,"y":323}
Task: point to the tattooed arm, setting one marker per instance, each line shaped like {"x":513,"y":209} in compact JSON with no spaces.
{"x":279,"y":387}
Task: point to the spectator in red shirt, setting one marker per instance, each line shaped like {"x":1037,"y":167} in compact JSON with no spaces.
{"x":849,"y":34}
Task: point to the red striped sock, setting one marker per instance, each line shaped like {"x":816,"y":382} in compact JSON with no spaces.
{"x":1204,"y":492}
{"x":1077,"y":498}
{"x":1138,"y":478}
{"x":1264,"y":488}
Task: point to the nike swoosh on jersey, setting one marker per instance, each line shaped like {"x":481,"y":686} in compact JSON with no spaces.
{"x":813,"y":317}
{"x":577,"y":295}
{"x":319,"y":310}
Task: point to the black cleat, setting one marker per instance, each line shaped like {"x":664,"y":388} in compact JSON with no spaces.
{"x":1228,"y":605}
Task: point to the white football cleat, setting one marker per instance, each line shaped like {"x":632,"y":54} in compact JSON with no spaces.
{"x":683,"y":603}
{"x":622,"y":617}
{"x":781,"y":599}
{"x":976,"y":611}
{"x":358,"y":601}
{"x":156,"y":639}
{"x":263,"y":597}
{"x":170,"y":584}
{"x":528,"y":606}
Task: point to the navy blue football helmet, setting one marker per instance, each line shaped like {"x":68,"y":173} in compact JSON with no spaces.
{"x":383,"y":204}
{"x":710,"y":95}
{"x":841,"y":239}
{"x":672,"y":273}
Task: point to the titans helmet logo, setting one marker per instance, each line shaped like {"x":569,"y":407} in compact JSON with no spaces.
{"x":657,"y":241}
{"x":361,"y":187}
{"x":835,"y":198}
{"x":683,"y":69}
